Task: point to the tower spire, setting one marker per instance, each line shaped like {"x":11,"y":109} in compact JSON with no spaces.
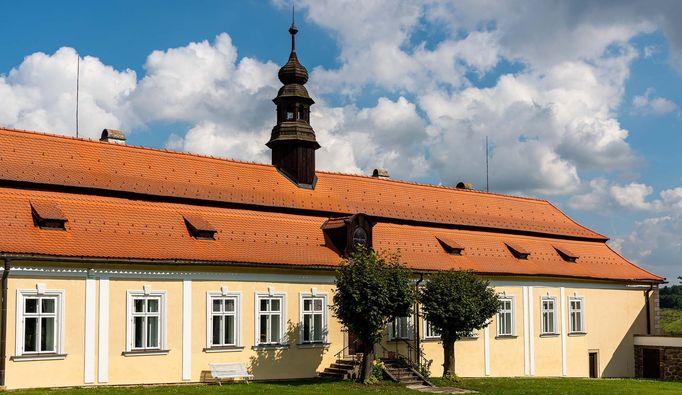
{"x":292,"y":140}
{"x":293,"y":29}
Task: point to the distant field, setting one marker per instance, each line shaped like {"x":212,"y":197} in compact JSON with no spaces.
{"x":671,"y":322}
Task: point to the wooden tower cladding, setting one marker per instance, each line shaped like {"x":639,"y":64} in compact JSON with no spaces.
{"x":293,"y":141}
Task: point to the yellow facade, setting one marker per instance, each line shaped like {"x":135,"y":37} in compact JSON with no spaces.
{"x":613,"y":314}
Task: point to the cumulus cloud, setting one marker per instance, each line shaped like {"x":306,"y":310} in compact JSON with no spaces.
{"x":40,"y":94}
{"x":647,"y":103}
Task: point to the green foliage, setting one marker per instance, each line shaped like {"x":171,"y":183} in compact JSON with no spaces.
{"x":377,"y":373}
{"x":457,"y":303}
{"x":425,"y":368}
{"x":371,"y":290}
{"x":671,"y":297}
{"x":671,"y":322}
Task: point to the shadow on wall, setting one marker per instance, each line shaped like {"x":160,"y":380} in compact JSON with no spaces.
{"x":294,"y":361}
{"x":622,"y":364}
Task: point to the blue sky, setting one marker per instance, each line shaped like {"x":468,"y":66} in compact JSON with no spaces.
{"x":580,"y":100}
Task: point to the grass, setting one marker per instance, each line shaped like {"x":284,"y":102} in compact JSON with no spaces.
{"x":487,"y":386}
{"x":671,"y":321}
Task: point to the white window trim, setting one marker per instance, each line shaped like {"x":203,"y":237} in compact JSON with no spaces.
{"x":283,"y":341}
{"x":163,"y":345}
{"x":513,"y":317}
{"x":410,"y":329}
{"x":554,"y":315}
{"x":425,"y":325}
{"x":325,"y":327}
{"x":238,"y":318}
{"x":582,"y":315}
{"x":59,"y":325}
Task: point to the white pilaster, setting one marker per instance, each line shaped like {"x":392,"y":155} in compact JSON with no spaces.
{"x":486,"y":349}
{"x":89,"y":374}
{"x":526,"y":353}
{"x":531,"y":330}
{"x":103,"y":345}
{"x":186,"y":329}
{"x":562,"y":303}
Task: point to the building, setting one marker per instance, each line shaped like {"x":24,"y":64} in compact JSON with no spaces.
{"x":129,"y":265}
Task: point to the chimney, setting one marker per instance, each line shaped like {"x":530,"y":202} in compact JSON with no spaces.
{"x":113,"y":136}
{"x":465,"y":185}
{"x":380,"y":173}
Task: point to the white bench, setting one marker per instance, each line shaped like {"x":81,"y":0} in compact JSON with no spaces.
{"x":236,"y":370}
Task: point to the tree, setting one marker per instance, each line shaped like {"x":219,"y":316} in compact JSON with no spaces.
{"x":371,"y":290}
{"x":455,"y":303}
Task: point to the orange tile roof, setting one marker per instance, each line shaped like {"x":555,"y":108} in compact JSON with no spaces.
{"x":109,"y":227}
{"x":101,"y":225}
{"x":58,"y":160}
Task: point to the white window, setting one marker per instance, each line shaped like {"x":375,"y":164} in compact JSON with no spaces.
{"x":313,"y":318}
{"x":399,"y":328}
{"x":505,"y":317}
{"x":429,"y":331}
{"x":39,"y":323}
{"x":146,"y":321}
{"x":224,"y":320}
{"x":548,"y":305}
{"x":576,"y":315}
{"x":270,"y":313}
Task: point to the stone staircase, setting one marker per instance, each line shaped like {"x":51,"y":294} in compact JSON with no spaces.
{"x":344,"y":369}
{"x":398,"y":371}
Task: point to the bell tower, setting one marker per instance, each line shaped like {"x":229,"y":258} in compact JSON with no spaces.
{"x":292,"y":140}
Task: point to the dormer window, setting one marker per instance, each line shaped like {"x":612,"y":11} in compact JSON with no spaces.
{"x":199,"y":228}
{"x":450,"y":246}
{"x":48,"y":215}
{"x":518,"y":251}
{"x":566,"y":254}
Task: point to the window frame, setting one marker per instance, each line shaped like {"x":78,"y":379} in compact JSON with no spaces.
{"x":283,"y":340}
{"x":237,"y":296}
{"x":391,"y":330}
{"x":512,"y":311}
{"x":426,"y":331}
{"x":22,"y":295}
{"x":325,"y":321}
{"x":130,"y":314}
{"x":570,"y":311}
{"x":552,"y":299}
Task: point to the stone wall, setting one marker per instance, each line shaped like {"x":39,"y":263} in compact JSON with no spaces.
{"x":670,"y":361}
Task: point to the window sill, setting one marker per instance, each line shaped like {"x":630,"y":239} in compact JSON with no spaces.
{"x":313,"y":345}
{"x":506,"y":337}
{"x":261,"y":347}
{"x":431,"y":339}
{"x":37,"y":357}
{"x":577,"y":333}
{"x":144,"y":353}
{"x":399,"y":340}
{"x":469,"y":338}
{"x":224,"y":349}
{"x":549,"y":334}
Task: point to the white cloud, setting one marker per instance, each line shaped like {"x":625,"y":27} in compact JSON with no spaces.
{"x":40,"y":94}
{"x":648,"y":104}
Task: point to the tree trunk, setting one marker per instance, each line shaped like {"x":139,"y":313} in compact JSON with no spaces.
{"x":448,"y":358}
{"x":367,"y":361}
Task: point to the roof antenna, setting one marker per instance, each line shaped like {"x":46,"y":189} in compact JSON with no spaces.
{"x":487,"y":184}
{"x":78,"y":78}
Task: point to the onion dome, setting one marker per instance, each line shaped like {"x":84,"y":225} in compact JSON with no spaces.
{"x":293,"y":72}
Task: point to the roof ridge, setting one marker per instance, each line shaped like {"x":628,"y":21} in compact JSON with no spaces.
{"x":238,"y":161}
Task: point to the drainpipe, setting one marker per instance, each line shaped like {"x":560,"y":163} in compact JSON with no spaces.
{"x":3,"y":324}
{"x":416,"y":320}
{"x":647,"y":293}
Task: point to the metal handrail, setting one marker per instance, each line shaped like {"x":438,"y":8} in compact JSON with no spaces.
{"x":340,"y":353}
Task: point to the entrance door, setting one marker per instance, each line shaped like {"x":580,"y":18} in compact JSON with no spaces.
{"x":651,"y":363}
{"x":355,"y":346}
{"x":594,"y":364}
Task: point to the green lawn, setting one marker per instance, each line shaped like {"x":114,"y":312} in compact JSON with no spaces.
{"x":488,"y":386}
{"x":671,"y":321}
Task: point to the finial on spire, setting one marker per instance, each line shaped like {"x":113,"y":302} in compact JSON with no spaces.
{"x":293,"y":29}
